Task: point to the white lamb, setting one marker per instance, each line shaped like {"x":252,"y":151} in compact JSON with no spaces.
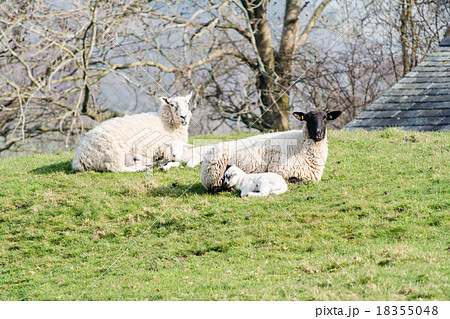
{"x":183,"y":152}
{"x":177,"y":153}
{"x":257,"y":185}
{"x":195,"y":156}
{"x":131,"y":143}
{"x":296,"y":155}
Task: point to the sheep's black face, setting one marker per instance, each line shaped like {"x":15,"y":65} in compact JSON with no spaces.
{"x":316,"y":122}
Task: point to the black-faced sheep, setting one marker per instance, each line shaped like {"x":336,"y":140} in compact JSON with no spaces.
{"x":296,"y":155}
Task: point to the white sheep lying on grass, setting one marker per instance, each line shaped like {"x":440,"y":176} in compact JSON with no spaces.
{"x":257,"y":185}
{"x":131,"y":143}
{"x":296,"y":155}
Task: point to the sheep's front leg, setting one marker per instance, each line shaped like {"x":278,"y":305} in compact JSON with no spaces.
{"x":257,"y":194}
{"x":192,"y":162}
{"x":170,"y":165}
{"x":250,"y":193}
{"x":295,"y":180}
{"x":244,"y":192}
{"x":136,"y":168}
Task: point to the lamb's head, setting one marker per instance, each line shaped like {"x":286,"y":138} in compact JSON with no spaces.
{"x":177,"y":149}
{"x":179,"y":106}
{"x":316,"y":122}
{"x":232,"y":176}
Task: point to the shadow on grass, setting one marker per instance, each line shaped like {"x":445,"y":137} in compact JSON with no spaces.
{"x":177,"y":190}
{"x":64,"y":167}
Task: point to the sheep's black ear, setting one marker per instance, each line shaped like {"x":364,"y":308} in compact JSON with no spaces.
{"x":333,"y":115}
{"x":299,"y":116}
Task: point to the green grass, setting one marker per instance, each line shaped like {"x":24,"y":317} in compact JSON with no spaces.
{"x":375,"y":227}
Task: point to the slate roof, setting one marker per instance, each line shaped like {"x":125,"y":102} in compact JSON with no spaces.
{"x":420,"y":101}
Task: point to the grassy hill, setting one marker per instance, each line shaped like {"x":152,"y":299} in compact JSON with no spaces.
{"x":376,"y":227}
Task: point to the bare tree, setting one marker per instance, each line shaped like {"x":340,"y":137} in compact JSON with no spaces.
{"x":59,"y":61}
{"x":269,"y":54}
{"x":57,"y":56}
{"x":48,"y":72}
{"x":249,"y":61}
{"x":414,"y":27}
{"x":386,"y":41}
{"x":254,"y":85}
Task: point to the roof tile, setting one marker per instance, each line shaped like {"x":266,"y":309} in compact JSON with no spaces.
{"x":419,"y":101}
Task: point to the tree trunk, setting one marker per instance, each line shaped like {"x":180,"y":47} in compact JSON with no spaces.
{"x":404,"y":37}
{"x":88,"y":49}
{"x":413,"y":61}
{"x":257,"y":12}
{"x":407,"y":37}
{"x":284,"y":58}
{"x":274,"y":77}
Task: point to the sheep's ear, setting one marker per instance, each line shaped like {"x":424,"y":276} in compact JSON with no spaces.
{"x":165,"y":100}
{"x":333,"y":115}
{"x":188,"y":97}
{"x":300,"y":116}
{"x":167,"y":143}
{"x":186,"y":145}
